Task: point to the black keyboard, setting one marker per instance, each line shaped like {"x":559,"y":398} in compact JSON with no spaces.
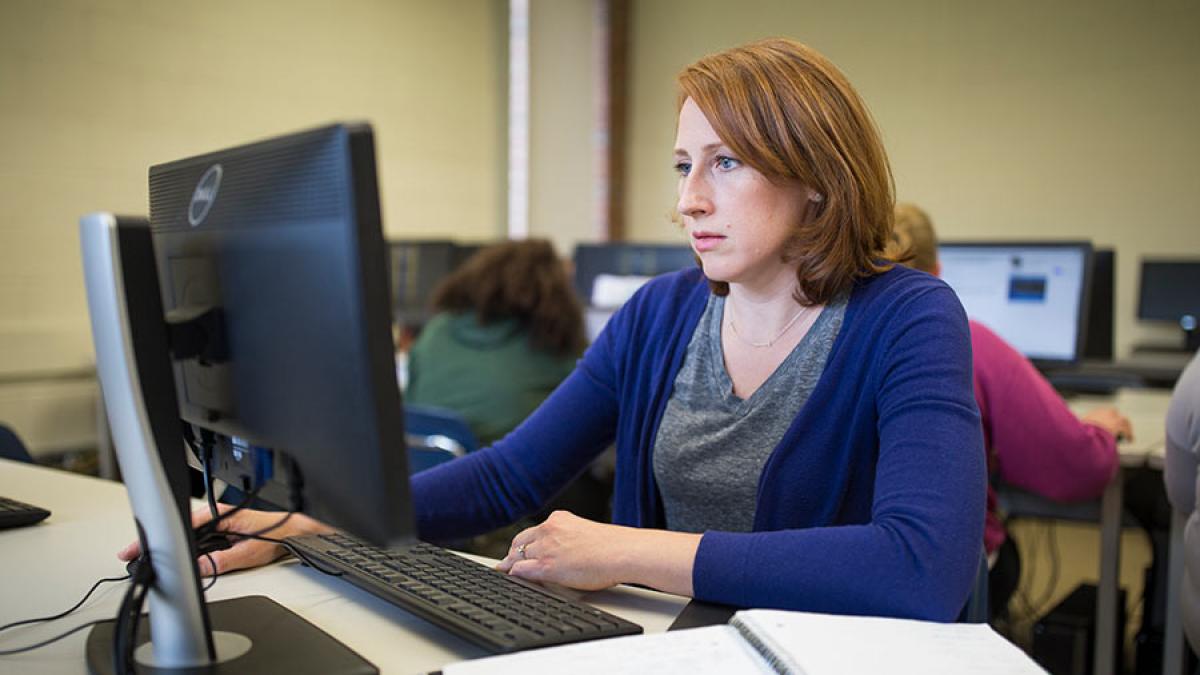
{"x":17,"y":514}
{"x":499,"y":612}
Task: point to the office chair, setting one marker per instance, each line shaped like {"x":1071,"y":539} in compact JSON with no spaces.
{"x":435,"y":435}
{"x":11,"y":446}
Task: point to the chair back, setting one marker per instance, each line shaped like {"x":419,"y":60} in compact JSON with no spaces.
{"x":11,"y":446}
{"x":435,"y":435}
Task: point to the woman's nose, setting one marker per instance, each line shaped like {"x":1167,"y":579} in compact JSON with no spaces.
{"x":694,"y":198}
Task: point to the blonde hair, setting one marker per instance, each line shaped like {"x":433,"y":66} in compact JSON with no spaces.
{"x":913,"y":237}
{"x":789,"y":113}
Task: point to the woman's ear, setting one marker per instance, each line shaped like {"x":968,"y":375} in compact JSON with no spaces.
{"x":814,"y":196}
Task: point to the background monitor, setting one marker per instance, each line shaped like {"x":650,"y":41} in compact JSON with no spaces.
{"x":1033,"y":294}
{"x":606,"y":275}
{"x":415,"y":268}
{"x":1099,"y":343}
{"x":621,"y":259}
{"x":1169,"y":290}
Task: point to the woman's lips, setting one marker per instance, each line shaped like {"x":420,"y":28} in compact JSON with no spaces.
{"x":706,"y":241}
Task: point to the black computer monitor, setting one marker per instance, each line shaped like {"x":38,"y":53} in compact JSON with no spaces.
{"x":292,"y":256}
{"x":1099,"y":342}
{"x":622,"y":259}
{"x":251,"y":317}
{"x":1169,"y":290}
{"x":415,"y":268}
{"x":1033,"y":294}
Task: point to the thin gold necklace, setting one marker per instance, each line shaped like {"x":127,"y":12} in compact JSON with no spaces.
{"x":772,"y":341}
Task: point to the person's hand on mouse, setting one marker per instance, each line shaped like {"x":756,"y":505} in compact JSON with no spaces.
{"x":1112,"y":421}
{"x":244,"y":553}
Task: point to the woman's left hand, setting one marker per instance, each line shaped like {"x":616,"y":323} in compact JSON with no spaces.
{"x":581,"y":553}
{"x":568,"y":550}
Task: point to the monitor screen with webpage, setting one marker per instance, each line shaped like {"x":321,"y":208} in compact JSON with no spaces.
{"x":1032,"y":294}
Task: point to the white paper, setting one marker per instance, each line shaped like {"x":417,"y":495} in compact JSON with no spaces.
{"x":825,"y":644}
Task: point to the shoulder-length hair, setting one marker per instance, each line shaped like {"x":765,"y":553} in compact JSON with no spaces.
{"x":789,"y":113}
{"x":522,"y":280}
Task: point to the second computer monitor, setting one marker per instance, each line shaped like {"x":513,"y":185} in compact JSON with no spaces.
{"x":1169,"y":290}
{"x":1033,"y":294}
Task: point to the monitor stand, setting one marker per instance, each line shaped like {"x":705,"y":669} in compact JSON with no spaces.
{"x":254,"y":635}
{"x":279,"y":641}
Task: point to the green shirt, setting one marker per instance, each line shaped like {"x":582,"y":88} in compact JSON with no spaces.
{"x":488,"y":374}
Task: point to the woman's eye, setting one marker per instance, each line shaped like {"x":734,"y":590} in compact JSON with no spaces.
{"x":727,"y":163}
{"x":683,"y":168}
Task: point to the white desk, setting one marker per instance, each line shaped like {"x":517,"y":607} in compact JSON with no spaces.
{"x":48,"y":567}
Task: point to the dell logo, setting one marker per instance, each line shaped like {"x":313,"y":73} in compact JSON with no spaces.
{"x":205,"y":194}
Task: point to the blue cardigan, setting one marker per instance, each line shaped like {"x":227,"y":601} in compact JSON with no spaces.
{"x":872,"y":503}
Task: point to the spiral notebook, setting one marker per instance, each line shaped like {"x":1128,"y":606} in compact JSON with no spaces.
{"x":774,"y":641}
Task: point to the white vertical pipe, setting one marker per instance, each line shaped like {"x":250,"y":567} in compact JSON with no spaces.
{"x":518,"y":119}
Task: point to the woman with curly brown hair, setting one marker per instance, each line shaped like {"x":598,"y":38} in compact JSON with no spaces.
{"x":506,"y":331}
{"x":794,"y":422}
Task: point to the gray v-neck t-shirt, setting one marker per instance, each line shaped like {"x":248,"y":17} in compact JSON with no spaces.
{"x":712,"y":445}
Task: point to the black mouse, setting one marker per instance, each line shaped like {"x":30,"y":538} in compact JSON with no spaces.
{"x":210,"y":542}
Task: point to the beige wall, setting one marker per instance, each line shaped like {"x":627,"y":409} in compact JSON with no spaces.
{"x":94,"y":92}
{"x":561,"y":117}
{"x":1026,"y":119}
{"x":1071,"y":119}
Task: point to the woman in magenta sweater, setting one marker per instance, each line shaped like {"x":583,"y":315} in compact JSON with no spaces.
{"x":794,"y":424}
{"x":1033,"y":440}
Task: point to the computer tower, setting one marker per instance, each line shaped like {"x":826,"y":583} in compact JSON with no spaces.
{"x":1063,"y":637}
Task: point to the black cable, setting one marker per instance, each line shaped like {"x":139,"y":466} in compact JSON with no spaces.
{"x":210,"y":530}
{"x":211,"y":527}
{"x":56,"y":638}
{"x":213,"y":564}
{"x":206,"y":456}
{"x":73,"y":607}
{"x":136,"y":619}
{"x":118,"y":655}
{"x":248,"y":498}
{"x":128,"y":617}
{"x":259,"y":533}
{"x":128,"y":614}
{"x":291,"y":548}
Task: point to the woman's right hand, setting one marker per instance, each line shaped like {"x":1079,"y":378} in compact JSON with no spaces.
{"x":1110,"y":420}
{"x":244,"y":553}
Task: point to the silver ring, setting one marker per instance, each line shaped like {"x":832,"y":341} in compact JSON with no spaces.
{"x":521,"y":550}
